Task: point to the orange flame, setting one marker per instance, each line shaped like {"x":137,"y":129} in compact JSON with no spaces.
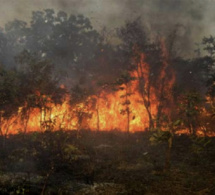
{"x":107,"y":114}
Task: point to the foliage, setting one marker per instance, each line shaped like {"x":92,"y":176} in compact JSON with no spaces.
{"x":190,"y":108}
{"x":123,"y":83}
{"x":9,"y":92}
{"x":199,"y":144}
{"x":160,"y":136}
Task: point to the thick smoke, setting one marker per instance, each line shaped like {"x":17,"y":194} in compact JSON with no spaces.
{"x":159,"y":16}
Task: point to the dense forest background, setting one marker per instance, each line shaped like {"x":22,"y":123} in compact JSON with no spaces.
{"x":57,"y":49}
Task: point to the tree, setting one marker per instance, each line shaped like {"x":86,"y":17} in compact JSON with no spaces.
{"x":135,"y":44}
{"x":124,"y":84}
{"x":9,"y":104}
{"x":81,"y":105}
{"x":164,"y":84}
{"x":166,"y":136}
{"x":16,"y":33}
{"x":190,"y":110}
{"x":3,"y":48}
{"x":69,"y":41}
{"x":38,"y":88}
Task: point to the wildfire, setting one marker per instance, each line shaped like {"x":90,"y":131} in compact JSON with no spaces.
{"x":128,"y":109}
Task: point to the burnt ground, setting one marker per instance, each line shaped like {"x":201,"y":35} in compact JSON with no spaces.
{"x":64,"y":162}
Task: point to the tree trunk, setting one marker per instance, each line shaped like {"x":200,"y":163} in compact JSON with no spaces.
{"x":160,"y":104}
{"x":168,"y":154}
{"x":97,"y":112}
{"x":127,"y":109}
{"x":151,"y":124}
{"x":128,"y":119}
{"x":168,"y":151}
{"x":98,"y":120}
{"x":26,"y":121}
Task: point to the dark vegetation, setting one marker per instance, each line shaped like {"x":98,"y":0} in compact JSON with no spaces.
{"x":55,"y":49}
{"x":105,"y":163}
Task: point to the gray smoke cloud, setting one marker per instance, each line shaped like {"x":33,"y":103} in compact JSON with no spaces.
{"x":195,"y":18}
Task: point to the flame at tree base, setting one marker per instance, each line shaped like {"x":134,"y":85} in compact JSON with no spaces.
{"x":128,"y":109}
{"x":105,"y":117}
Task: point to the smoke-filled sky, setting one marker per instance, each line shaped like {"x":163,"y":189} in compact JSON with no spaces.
{"x":196,"y":16}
